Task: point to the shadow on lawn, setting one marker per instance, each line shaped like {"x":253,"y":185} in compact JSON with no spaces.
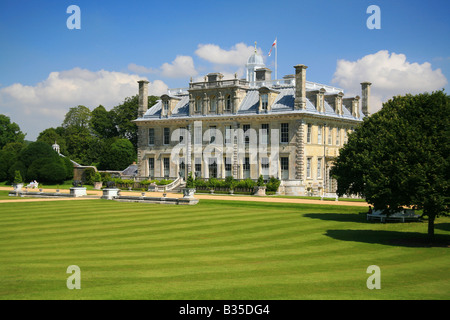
{"x":340,"y":217}
{"x":391,"y":238}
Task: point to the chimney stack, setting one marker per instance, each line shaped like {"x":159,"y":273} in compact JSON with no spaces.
{"x":365,"y":96}
{"x":143,"y":97}
{"x":300,"y":86}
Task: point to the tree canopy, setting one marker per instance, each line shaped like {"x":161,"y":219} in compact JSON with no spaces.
{"x":400,"y":156}
{"x":9,"y":131}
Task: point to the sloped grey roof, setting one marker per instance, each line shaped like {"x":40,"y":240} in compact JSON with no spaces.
{"x":284,"y":103}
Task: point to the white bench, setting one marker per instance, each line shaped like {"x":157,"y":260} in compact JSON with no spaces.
{"x":33,"y":185}
{"x":403,"y":216}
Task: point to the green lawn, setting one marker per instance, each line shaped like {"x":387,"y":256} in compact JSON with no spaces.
{"x":214,"y":250}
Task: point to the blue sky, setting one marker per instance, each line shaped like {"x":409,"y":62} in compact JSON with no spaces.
{"x":167,"y":43}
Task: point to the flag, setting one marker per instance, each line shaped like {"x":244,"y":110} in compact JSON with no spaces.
{"x":273,"y":45}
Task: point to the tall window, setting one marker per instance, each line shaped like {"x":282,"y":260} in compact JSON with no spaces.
{"x":151,"y":136}
{"x":212,"y":134}
{"x":265,"y":133}
{"x":319,"y":168}
{"x":228,"y":103}
{"x":319,"y":134}
{"x":338,"y":136}
{"x":182,"y":133}
{"x":198,"y":167}
{"x":198,"y":104}
{"x":227,"y":134}
{"x":308,"y":133}
{"x":264,"y":101}
{"x":166,"y":164}
{"x":198,"y":135}
{"x":284,"y":137}
{"x":212,"y":164}
{"x":151,"y":167}
{"x":246,"y":167}
{"x":308,"y":167}
{"x":246,"y":128}
{"x":265,"y":167}
{"x":284,"y":168}
{"x":166,"y":137}
{"x":227,"y":162}
{"x":330,"y":131}
{"x":213,"y":104}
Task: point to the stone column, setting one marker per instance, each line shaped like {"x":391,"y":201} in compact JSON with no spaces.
{"x":299,"y":150}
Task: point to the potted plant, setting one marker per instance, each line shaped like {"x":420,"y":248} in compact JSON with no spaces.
{"x":260,"y":188}
{"x":97,"y":181}
{"x":189,"y":190}
{"x":18,"y":182}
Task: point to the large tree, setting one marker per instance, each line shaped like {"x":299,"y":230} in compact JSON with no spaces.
{"x":400,"y":156}
{"x":9,"y":131}
{"x":125,"y":113}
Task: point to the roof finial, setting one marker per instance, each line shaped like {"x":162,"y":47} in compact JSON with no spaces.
{"x":255,"y":47}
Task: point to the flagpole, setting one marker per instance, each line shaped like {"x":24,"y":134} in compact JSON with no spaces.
{"x":276,"y":51}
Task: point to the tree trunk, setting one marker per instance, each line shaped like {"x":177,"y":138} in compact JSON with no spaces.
{"x":431,"y":218}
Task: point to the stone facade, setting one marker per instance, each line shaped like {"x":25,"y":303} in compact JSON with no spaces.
{"x":307,"y":123}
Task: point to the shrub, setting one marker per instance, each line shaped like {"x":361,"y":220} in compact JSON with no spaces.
{"x":260,"y":182}
{"x":97,"y":177}
{"x":273,"y":184}
{"x":88,"y":176}
{"x":17,"y":177}
{"x":190,"y":183}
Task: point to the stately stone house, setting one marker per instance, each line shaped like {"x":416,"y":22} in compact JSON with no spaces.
{"x":288,"y":128}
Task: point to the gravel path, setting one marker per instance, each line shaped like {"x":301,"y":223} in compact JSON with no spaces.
{"x":274,"y":199}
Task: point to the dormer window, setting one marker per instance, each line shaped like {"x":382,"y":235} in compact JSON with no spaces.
{"x":264,"y":101}
{"x":266,"y":98}
{"x":165,"y":107}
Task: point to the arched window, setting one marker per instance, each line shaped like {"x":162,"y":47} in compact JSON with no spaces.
{"x":213,"y":104}
{"x":198,"y":104}
{"x":228,"y":103}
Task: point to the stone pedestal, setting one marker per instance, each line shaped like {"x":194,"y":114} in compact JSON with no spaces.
{"x":78,"y":192}
{"x":259,"y":191}
{"x":110,"y":193}
{"x":293,"y":188}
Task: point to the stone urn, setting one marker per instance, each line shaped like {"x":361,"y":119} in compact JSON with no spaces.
{"x":188,"y":192}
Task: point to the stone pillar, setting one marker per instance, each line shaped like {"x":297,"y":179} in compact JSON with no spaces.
{"x":188,"y":138}
{"x":300,"y":86}
{"x":365,"y":97}
{"x":299,"y":150}
{"x":234,"y":141}
{"x":143,"y":97}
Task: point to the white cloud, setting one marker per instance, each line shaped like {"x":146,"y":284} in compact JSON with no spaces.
{"x":236,"y":56}
{"x":182,"y":66}
{"x":390,"y":75}
{"x":45,"y":104}
{"x":141,"y":69}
